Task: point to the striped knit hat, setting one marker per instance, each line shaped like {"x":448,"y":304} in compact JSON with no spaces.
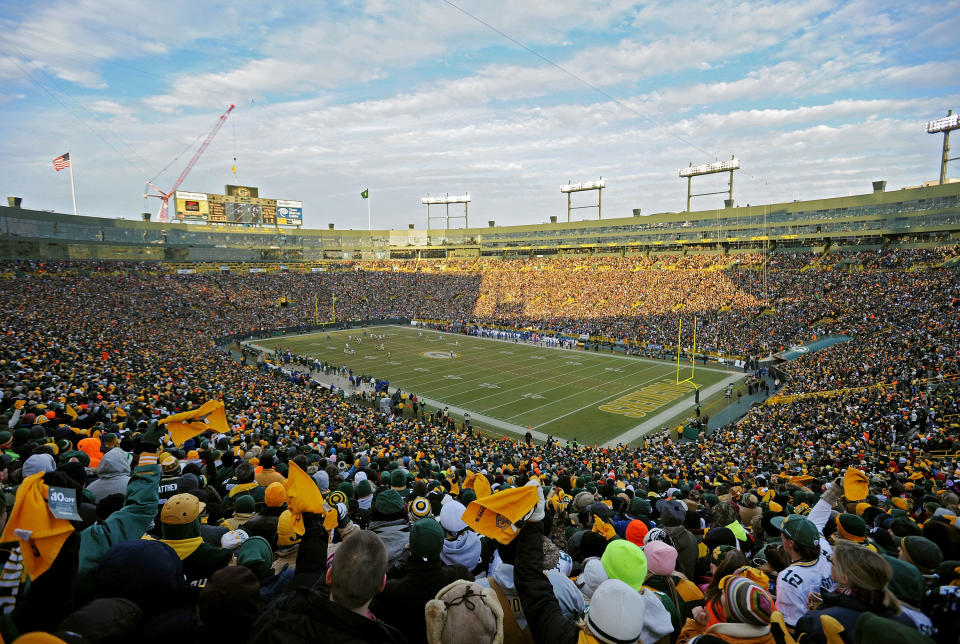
{"x":745,"y":602}
{"x":420,"y":508}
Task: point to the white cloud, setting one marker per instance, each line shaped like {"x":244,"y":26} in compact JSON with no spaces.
{"x":409,"y":97}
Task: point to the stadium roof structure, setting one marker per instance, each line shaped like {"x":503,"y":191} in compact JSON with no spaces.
{"x":928,"y":214}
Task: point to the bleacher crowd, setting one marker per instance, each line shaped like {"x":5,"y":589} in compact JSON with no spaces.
{"x":301,"y":516}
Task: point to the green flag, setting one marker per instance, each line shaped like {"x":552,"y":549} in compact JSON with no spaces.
{"x":366,"y":193}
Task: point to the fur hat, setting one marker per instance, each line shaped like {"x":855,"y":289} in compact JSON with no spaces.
{"x":464,"y":613}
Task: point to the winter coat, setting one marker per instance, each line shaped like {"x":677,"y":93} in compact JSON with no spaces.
{"x":687,"y":549}
{"x":395,"y":536}
{"x":126,"y":524}
{"x":734,"y":633}
{"x":540,"y":605}
{"x":112,"y":475}
{"x":308,"y":615}
{"x":402,"y":601}
{"x":847,"y":611}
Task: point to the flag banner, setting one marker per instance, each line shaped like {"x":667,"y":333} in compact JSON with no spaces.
{"x":303,"y":495}
{"x":366,"y":193}
{"x":61,"y":162}
{"x":186,"y":425}
{"x":495,"y":516}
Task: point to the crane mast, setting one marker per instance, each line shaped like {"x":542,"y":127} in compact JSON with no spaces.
{"x":164,"y":213}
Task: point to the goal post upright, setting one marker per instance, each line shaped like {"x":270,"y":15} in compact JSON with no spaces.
{"x":679,"y":330}
{"x":693,"y":356}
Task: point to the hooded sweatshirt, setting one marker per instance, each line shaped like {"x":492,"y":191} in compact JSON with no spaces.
{"x":570,"y":599}
{"x":113,"y":475}
{"x":464,"y":550}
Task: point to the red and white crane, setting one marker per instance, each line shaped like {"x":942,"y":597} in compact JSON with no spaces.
{"x":164,"y":213}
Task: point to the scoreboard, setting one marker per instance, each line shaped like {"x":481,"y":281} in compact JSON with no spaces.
{"x":239,"y":205}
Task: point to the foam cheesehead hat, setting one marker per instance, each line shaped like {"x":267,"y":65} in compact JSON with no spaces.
{"x":493,"y":516}
{"x":616,"y":613}
{"x":798,"y":528}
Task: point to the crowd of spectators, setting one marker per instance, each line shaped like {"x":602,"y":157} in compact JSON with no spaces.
{"x":212,"y":539}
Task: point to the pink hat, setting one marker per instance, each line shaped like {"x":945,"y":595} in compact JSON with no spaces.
{"x":661,"y":557}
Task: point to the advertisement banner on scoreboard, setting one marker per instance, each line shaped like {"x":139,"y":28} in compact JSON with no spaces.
{"x":289,"y":213}
{"x":240,"y":205}
{"x":191,"y":205}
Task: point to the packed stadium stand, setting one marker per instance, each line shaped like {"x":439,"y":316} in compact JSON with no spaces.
{"x":112,"y":326}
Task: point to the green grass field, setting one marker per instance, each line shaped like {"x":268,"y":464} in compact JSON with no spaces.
{"x":507,"y":386}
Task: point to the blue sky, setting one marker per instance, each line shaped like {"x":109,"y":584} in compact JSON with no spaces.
{"x":410,"y":97}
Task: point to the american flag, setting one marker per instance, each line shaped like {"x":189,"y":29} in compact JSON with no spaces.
{"x":61,"y":162}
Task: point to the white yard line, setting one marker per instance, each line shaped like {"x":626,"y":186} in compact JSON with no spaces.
{"x":581,"y":352}
{"x":657,"y":421}
{"x":597,"y":402}
{"x":631,"y":434}
{"x":566,"y":384}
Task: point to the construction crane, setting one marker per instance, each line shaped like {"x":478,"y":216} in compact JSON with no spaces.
{"x":164,"y":213}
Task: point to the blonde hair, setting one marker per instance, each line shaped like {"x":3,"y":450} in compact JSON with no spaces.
{"x":864,"y":569}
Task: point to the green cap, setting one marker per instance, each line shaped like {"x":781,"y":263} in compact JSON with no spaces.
{"x":256,"y":554}
{"x":364,"y":489}
{"x":426,"y":538}
{"x":799,"y":528}
{"x":398,"y":478}
{"x":625,"y":561}
{"x":388,"y":502}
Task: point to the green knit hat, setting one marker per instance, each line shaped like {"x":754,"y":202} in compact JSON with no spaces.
{"x":347,"y":488}
{"x":364,"y":489}
{"x":82,"y":457}
{"x":256,"y":554}
{"x":639,"y":507}
{"x":426,"y":538}
{"x":388,"y":502}
{"x":245,"y":503}
{"x":398,"y":478}
{"x":625,"y":561}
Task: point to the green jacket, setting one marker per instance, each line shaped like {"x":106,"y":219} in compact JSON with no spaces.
{"x":126,"y":524}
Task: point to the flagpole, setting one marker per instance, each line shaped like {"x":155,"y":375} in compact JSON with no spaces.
{"x":73,"y":190}
{"x":369,"y":220}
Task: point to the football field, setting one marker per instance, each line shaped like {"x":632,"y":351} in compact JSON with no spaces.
{"x":509,"y":386}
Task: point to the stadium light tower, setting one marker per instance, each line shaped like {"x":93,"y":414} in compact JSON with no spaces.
{"x":446,"y":200}
{"x":570,"y":188}
{"x":710,"y":168}
{"x":946,"y":124}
